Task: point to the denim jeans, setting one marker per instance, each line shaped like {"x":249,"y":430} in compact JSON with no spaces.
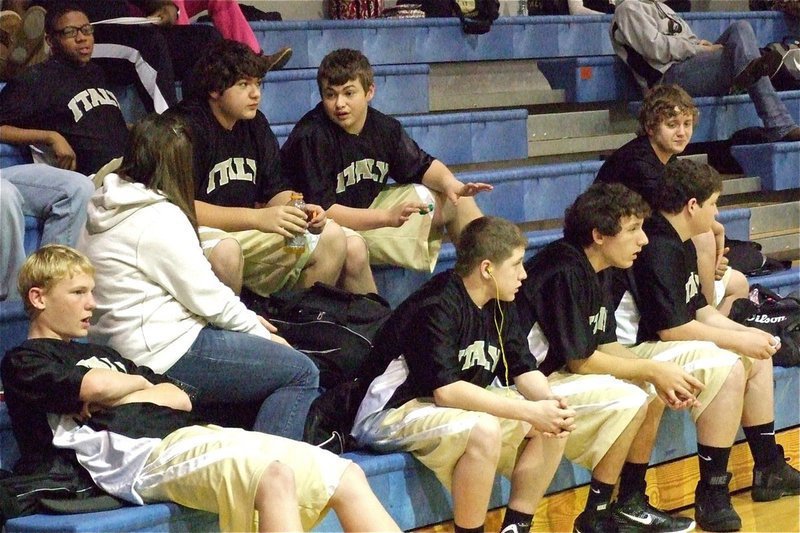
{"x":712,"y":73}
{"x":229,"y":367}
{"x":55,"y":195}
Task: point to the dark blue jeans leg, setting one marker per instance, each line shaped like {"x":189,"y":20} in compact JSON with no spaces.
{"x":229,"y":367}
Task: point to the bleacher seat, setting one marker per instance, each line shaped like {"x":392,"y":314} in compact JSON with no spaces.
{"x":459,"y":138}
{"x":400,"y":90}
{"x":776,"y":164}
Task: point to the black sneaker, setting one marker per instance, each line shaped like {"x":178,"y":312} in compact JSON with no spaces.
{"x":636,"y":514}
{"x":776,"y":480}
{"x":766,"y":65}
{"x":713,"y":509}
{"x":595,"y":522}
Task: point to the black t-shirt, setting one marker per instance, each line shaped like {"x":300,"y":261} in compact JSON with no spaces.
{"x":667,"y":291}
{"x":446,"y":338}
{"x":236,"y":168}
{"x":44,"y":376}
{"x":636,"y":166}
{"x":330,"y":166}
{"x":72,"y":100}
{"x":565,"y":306}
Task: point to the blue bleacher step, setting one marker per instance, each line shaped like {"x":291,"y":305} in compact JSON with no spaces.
{"x":437,"y":40}
{"x":396,"y":284}
{"x":782,"y":282}
{"x":722,"y":116}
{"x":777,"y":164}
{"x":399,"y":89}
{"x":461,"y":138}
{"x":602,"y":78}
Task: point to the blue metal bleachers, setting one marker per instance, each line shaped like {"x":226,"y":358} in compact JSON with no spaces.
{"x":777,"y":164}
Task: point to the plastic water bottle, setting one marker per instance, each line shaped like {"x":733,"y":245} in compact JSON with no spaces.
{"x":296,"y":244}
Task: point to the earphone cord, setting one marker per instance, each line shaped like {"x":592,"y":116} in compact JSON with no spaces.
{"x":499,"y":328}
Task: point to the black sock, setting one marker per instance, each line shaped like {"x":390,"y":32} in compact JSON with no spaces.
{"x":459,"y":529}
{"x":519,"y":522}
{"x":713,"y":461}
{"x":599,"y":495}
{"x":631,"y":480}
{"x":761,"y":440}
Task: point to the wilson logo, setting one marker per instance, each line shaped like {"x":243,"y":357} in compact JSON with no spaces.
{"x":766,"y":319}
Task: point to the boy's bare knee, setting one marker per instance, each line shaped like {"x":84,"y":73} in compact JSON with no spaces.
{"x":485,"y":439}
{"x":738,"y":285}
{"x":357,"y":258}
{"x":277,"y":480}
{"x":227,"y":263}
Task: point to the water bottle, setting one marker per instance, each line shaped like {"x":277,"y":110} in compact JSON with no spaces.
{"x":296,"y":244}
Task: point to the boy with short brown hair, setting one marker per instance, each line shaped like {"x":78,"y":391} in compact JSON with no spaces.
{"x":341,"y":154}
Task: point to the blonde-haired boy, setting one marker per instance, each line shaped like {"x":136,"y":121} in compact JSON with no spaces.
{"x":66,"y":396}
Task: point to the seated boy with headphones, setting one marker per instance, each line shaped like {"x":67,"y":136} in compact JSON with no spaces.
{"x":446,"y":362}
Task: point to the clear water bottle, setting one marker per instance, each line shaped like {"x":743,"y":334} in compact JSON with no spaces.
{"x":296,"y":244}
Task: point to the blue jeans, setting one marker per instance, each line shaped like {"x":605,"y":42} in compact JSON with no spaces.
{"x":229,"y":367}
{"x":712,"y":73}
{"x":55,"y":195}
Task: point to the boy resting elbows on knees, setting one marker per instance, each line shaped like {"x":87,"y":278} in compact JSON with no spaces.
{"x":663,"y":301}
{"x":445,"y":361}
{"x":76,"y":404}
{"x":341,"y":154}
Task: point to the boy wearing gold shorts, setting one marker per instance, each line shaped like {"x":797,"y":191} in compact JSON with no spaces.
{"x":341,"y":155}
{"x":240,"y":197}
{"x":566,"y":306}
{"x":662,"y":311}
{"x":82,"y":408}
{"x":457,"y":387}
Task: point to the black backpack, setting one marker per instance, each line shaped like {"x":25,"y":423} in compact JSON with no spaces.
{"x":779,"y":316}
{"x":332,"y":326}
{"x":53,"y":493}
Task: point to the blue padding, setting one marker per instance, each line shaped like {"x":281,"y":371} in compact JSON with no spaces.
{"x":591,"y":79}
{"x":460,"y":138}
{"x":11,"y":155}
{"x":537,"y":192}
{"x":736,"y":222}
{"x":776,"y":164}
{"x":396,"y":284}
{"x":160,"y":517}
{"x":782,"y":282}
{"x":435,"y":40}
{"x":399,"y":89}
{"x":722,"y":116}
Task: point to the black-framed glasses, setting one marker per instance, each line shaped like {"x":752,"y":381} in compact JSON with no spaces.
{"x":71,"y":31}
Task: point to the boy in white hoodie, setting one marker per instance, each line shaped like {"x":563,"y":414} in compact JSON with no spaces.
{"x":160,"y":304}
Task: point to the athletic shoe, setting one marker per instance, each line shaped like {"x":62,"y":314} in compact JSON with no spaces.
{"x":636,"y":514}
{"x":775,"y":480}
{"x":713,"y":509}
{"x":594,"y":522}
{"x":277,"y":60}
{"x":766,"y":65}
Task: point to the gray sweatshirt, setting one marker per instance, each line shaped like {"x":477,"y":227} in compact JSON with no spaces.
{"x":649,"y":37}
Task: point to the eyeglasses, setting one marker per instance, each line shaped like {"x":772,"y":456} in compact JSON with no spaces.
{"x":71,"y":31}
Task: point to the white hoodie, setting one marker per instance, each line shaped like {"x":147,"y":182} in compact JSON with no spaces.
{"x":155,"y":289}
